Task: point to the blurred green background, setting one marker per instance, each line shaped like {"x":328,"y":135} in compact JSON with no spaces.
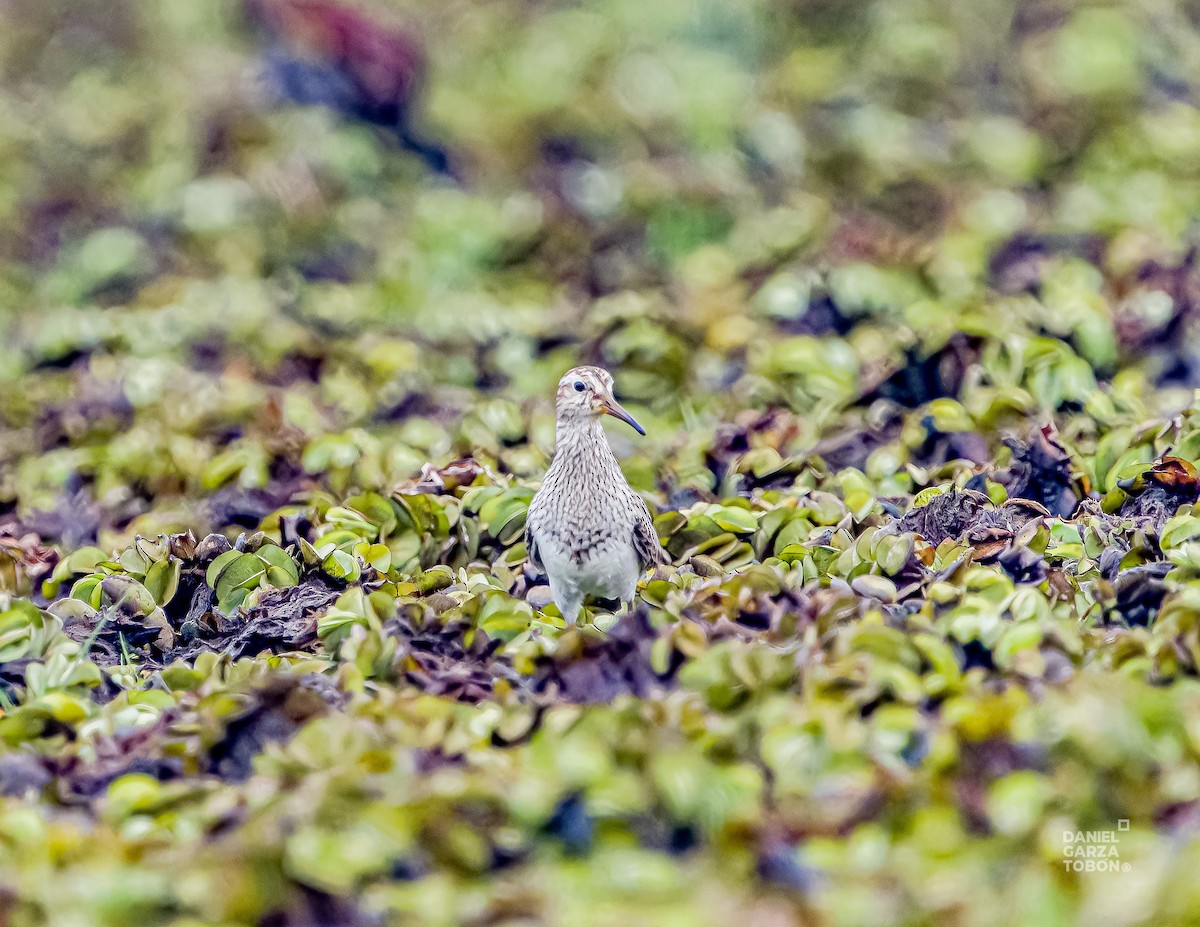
{"x":836,"y":253}
{"x":675,"y":190}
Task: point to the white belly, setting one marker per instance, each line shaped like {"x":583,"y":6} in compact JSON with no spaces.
{"x":609,"y":572}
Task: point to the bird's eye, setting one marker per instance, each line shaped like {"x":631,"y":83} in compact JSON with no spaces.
{"x":579,"y":387}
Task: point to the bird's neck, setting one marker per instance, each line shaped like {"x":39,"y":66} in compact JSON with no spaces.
{"x":580,"y":438}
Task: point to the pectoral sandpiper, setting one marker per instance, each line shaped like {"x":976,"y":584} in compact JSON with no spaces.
{"x":587,"y":530}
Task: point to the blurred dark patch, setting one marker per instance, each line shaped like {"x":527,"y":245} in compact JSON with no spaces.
{"x":981,"y":763}
{"x":23,"y":774}
{"x":74,"y":521}
{"x":1166,"y":339}
{"x":310,"y":83}
{"x":822,"y":317}
{"x":777,"y":429}
{"x":1023,"y":565}
{"x":918,"y":747}
{"x":430,"y":760}
{"x":923,"y":377}
{"x":81,"y":779}
{"x":1138,"y":592}
{"x":582,"y":240}
{"x":443,"y":406}
{"x":852,"y":446}
{"x":233,"y":506}
{"x":593,"y":669}
{"x":12,"y":677}
{"x":96,"y":410}
{"x":208,"y":353}
{"x":358,"y":64}
{"x":339,"y":262}
{"x":224,"y":134}
{"x":940,"y":447}
{"x":657,"y":831}
{"x":413,"y":866}
{"x":680,"y":497}
{"x":50,"y":223}
{"x":830,"y":20}
{"x":312,"y":908}
{"x":1019,"y":264}
{"x":914,"y":205}
{"x":436,"y":657}
{"x":296,"y":367}
{"x":572,"y":824}
{"x":273,"y":711}
{"x":780,"y":865}
{"x":68,"y":358}
{"x":616,"y":260}
{"x":1035,"y":16}
{"x":871,"y":236}
{"x":1179,"y":819}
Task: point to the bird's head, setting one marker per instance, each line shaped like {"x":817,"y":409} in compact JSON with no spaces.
{"x":586,"y":393}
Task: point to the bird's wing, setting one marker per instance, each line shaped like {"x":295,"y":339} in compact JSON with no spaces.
{"x":531,"y":549}
{"x":645,"y":539}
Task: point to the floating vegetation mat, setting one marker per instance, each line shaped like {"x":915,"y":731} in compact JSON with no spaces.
{"x":906,"y":295}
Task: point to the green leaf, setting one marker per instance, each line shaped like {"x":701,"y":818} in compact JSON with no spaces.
{"x":341,"y":565}
{"x":88,"y":590}
{"x":217,"y":567}
{"x":857,"y":492}
{"x":244,"y":572}
{"x":162,"y":580}
{"x":282,"y":568}
{"x":731,"y":518}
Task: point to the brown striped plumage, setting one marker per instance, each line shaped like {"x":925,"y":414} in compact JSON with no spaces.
{"x":587,"y":530}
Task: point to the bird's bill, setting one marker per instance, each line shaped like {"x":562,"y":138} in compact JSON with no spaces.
{"x":613,"y":408}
